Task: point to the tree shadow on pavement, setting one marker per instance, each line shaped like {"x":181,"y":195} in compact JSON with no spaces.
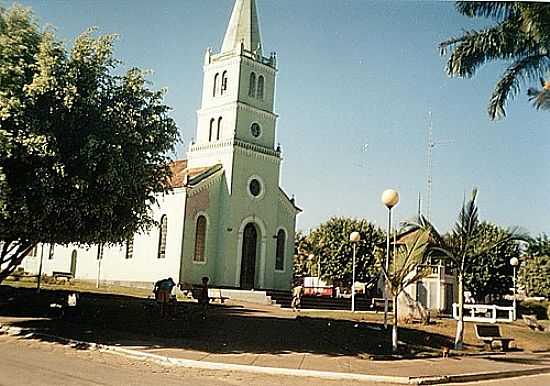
{"x":228,"y":329}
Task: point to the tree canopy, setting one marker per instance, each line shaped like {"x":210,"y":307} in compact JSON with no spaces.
{"x":490,"y":272}
{"x":520,"y":37}
{"x":330,"y":243}
{"x":534,"y":274}
{"x":84,"y":146}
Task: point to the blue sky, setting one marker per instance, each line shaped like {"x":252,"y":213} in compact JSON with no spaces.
{"x":351,"y":72}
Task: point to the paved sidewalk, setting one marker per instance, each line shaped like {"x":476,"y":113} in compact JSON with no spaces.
{"x":421,"y":371}
{"x":413,"y":368}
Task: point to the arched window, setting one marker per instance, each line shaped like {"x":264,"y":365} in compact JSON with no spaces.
{"x":280,"y":251}
{"x":211,"y":132}
{"x":252,"y":85}
{"x":219,"y":128}
{"x":200,"y":240}
{"x":50,"y":254}
{"x":224,"y":81}
{"x":216,"y":80}
{"x":260,"y":93}
{"x":130,"y":248}
{"x":163,"y":230}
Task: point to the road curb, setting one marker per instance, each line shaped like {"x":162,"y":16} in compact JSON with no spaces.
{"x":189,"y":363}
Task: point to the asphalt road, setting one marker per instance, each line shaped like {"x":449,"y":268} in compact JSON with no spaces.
{"x":30,"y":362}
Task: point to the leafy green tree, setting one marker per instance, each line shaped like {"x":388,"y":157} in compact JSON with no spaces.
{"x":302,"y":249}
{"x":408,"y":265}
{"x":330,"y":243}
{"x":84,"y":146}
{"x":520,"y":37}
{"x":462,"y":249}
{"x":490,"y":273}
{"x":534,"y":273}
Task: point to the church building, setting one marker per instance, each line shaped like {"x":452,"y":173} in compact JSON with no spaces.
{"x":227,"y":217}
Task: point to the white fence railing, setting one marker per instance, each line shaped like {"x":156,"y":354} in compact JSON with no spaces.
{"x":488,"y":313}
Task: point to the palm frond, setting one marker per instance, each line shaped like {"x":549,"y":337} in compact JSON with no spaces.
{"x":475,"y":48}
{"x":421,"y":222}
{"x":409,"y":257}
{"x":493,"y":9}
{"x":512,"y":234}
{"x":467,"y":221}
{"x":535,"y":21}
{"x":521,"y":71}
{"x":540,"y":97}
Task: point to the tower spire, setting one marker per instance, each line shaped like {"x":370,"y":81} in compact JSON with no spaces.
{"x":243,"y":28}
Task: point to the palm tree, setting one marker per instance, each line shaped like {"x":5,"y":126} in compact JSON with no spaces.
{"x":461,"y":247}
{"x":540,"y":98}
{"x":521,"y":37}
{"x":407,"y":267}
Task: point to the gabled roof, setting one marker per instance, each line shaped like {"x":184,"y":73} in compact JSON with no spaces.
{"x":183,"y":177}
{"x":243,"y":27}
{"x":290,"y":201}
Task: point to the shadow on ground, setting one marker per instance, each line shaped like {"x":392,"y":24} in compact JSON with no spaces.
{"x":228,"y":329}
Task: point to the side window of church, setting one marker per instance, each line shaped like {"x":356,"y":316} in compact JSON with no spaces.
{"x":163,"y":230}
{"x":130,"y":248}
{"x":200,"y":240}
{"x":260,"y":92}
{"x":50,"y":254}
{"x":224,"y":81}
{"x":280,"y":252}
{"x":252,"y":85}
{"x":211,"y":132}
{"x":216,"y":79}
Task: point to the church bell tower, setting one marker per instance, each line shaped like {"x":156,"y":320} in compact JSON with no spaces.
{"x":238,"y":95}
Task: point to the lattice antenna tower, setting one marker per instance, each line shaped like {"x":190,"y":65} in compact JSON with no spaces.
{"x":430,"y":145}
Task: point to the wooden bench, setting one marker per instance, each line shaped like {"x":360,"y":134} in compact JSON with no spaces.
{"x":491,"y":333}
{"x":532,"y":322}
{"x":65,"y":275}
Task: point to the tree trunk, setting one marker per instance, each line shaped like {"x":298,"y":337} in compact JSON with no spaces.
{"x":394,"y":328}
{"x":459,"y":338}
{"x":12,"y":255}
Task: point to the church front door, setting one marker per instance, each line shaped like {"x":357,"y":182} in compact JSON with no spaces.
{"x":248,"y":261}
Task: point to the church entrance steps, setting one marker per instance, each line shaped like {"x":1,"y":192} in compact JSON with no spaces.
{"x":252,"y":296}
{"x":284,"y":299}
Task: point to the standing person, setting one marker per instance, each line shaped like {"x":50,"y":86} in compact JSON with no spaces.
{"x":297,"y":293}
{"x":204,"y":299}
{"x":163,"y":289}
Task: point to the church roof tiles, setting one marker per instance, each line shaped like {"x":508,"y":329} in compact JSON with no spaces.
{"x":181,"y":175}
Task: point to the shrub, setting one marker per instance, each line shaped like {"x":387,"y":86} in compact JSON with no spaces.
{"x":541,"y":309}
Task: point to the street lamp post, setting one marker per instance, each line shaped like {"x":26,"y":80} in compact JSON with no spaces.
{"x":354,"y":237}
{"x":514,"y":263}
{"x":390,"y":198}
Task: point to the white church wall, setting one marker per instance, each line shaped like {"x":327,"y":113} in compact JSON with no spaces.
{"x":249,"y":66}
{"x":144,"y":266}
{"x":287,"y":221}
{"x":248,"y":116}
{"x":202,"y":200}
{"x":218,"y":67}
{"x":227,"y":125}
